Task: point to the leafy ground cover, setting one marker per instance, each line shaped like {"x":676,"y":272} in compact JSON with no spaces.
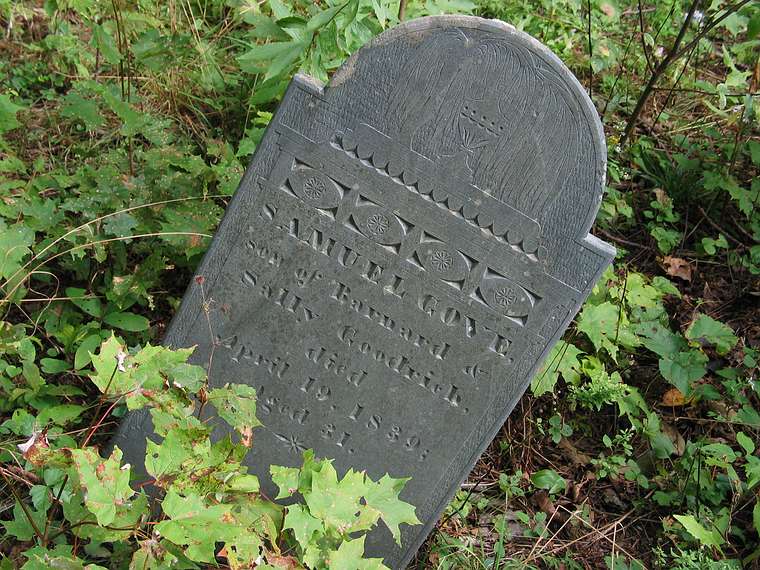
{"x":125,"y":127}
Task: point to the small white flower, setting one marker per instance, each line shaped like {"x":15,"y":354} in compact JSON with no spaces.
{"x":698,"y":15}
{"x":120,"y":358}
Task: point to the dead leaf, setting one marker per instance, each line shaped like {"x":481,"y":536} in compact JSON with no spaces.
{"x":673,"y":398}
{"x":285,"y":562}
{"x":35,"y":448}
{"x":675,"y":436}
{"x":572,"y":453}
{"x":247,"y":437}
{"x":677,"y":267}
{"x":608,"y":9}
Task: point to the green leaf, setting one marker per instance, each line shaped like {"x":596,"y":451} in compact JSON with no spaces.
{"x":244,"y":484}
{"x":83,"y":355}
{"x":236,"y":404}
{"x":15,"y":243}
{"x":286,"y":479}
{"x":20,"y":527}
{"x":54,"y":365}
{"x":60,"y":414}
{"x":349,"y":556}
{"x":252,"y":60}
{"x":78,"y":108}
{"x":127,"y":321}
{"x":335,"y":502}
{"x":105,"y":363}
{"x":121,"y":225}
{"x":105,"y":482}
{"x":166,"y":459}
{"x":383,"y":496}
{"x":684,"y":368}
{"x":8,"y":112}
{"x":701,"y":534}
{"x":746,"y":442}
{"x":562,"y":360}
{"x":91,"y":306}
{"x":323,"y":17}
{"x":196,"y":526}
{"x":104,"y":41}
{"x":665,"y":286}
{"x":756,"y":516}
{"x":59,"y":558}
{"x":549,"y":480}
{"x":707,"y":330}
{"x":264,"y":27}
{"x":302,"y":524}
{"x":600,"y":324}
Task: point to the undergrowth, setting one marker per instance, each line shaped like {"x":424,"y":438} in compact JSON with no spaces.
{"x":124,"y":129}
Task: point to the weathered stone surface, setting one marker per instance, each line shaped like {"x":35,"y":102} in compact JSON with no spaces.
{"x":406,"y":245}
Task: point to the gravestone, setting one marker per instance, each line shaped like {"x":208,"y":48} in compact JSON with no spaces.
{"x":405,"y":247}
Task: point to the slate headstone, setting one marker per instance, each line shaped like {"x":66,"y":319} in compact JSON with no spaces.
{"x":405,"y":247}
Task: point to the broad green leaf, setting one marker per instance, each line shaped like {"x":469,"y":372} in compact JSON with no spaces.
{"x":236,"y":404}
{"x":253,"y":60}
{"x":323,"y":17}
{"x":54,"y":365}
{"x":264,"y":27}
{"x":57,"y":558}
{"x":105,"y":364}
{"x":280,"y":9}
{"x":684,"y":368}
{"x":151,"y":555}
{"x":15,"y":244}
{"x":20,"y":527}
{"x":195,"y":526}
{"x":746,"y":442}
{"x":302,"y":524}
{"x":121,"y":225}
{"x":286,"y":479}
{"x":167,"y":458}
{"x":84,"y":301}
{"x":60,"y":414}
{"x":8,"y":111}
{"x":349,"y":556}
{"x":104,"y":41}
{"x":244,"y":484}
{"x":549,"y":480}
{"x":80,"y":109}
{"x":639,"y":293}
{"x":705,"y":329}
{"x":105,"y":482}
{"x":756,"y":516}
{"x":700,"y":533}
{"x":665,"y":286}
{"x":383,"y":496}
{"x":562,"y":360}
{"x":83,"y":355}
{"x":127,"y":322}
{"x":606,"y":326}
{"x":286,"y":60}
{"x":335,"y":502}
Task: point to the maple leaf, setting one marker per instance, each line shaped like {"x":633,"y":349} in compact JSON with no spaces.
{"x":105,"y":482}
{"x":383,"y":496}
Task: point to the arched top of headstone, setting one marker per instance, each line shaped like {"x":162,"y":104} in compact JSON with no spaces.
{"x":487,"y":106}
